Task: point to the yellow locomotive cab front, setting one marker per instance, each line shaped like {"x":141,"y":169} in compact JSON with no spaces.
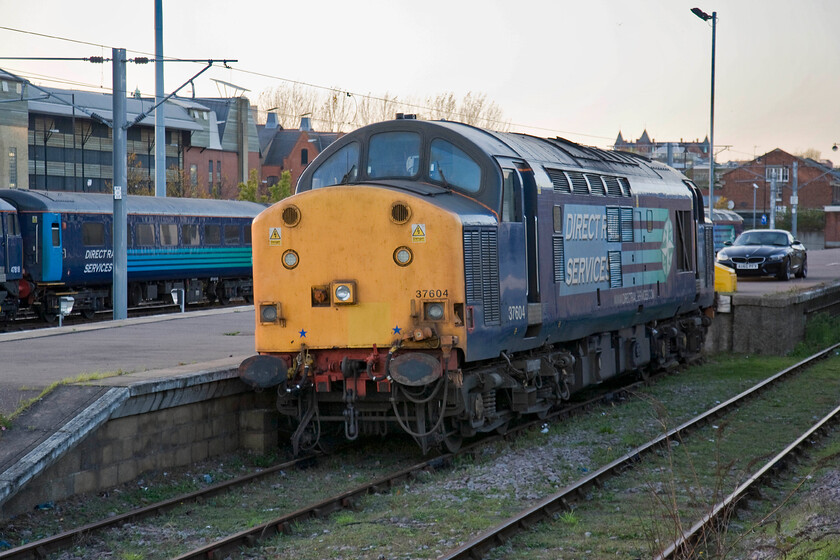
{"x":325,"y":279}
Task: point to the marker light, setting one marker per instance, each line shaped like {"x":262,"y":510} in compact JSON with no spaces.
{"x":290,"y":259}
{"x":403,"y":256}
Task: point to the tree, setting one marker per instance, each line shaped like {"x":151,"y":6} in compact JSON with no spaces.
{"x":334,"y":110}
{"x":250,"y":189}
{"x":282,"y":188}
{"x":138,"y":180}
{"x":811,"y":153}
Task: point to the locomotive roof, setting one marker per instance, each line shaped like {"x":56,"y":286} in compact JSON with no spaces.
{"x":94,"y":203}
{"x":556,"y":151}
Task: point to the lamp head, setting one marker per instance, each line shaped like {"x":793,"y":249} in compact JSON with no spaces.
{"x":701,"y":14}
{"x":834,"y":148}
{"x":755,"y":186}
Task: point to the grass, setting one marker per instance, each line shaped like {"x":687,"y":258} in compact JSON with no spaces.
{"x":6,"y":421}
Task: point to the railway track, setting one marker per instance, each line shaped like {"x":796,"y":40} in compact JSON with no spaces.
{"x":563,"y":500}
{"x":348,"y":499}
{"x":351,"y":498}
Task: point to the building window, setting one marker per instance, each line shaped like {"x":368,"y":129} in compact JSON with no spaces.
{"x":12,"y":168}
{"x":194,"y":175}
{"x":304,"y":156}
{"x":782,"y":173}
{"x":210,"y":172}
{"x":219,"y":171}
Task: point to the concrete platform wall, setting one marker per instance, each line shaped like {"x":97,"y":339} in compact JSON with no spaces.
{"x":155,"y":430}
{"x":770,"y":324}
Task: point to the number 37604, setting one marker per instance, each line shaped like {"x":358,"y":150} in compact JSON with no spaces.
{"x":431,"y":293}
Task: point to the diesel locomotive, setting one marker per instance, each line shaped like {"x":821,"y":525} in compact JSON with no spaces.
{"x":443,"y":280}
{"x":60,"y":243}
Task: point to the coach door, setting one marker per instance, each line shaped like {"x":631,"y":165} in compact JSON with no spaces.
{"x":50,"y":250}
{"x":12,"y":246}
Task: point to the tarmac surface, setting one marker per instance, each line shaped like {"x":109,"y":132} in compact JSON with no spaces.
{"x":138,"y":348}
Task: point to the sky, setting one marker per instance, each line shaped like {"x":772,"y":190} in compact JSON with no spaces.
{"x":584,"y":70}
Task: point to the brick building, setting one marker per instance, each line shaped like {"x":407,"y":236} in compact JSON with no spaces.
{"x":290,"y":150}
{"x":817,"y":184}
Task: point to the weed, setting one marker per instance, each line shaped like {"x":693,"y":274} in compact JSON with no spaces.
{"x":569,"y":518}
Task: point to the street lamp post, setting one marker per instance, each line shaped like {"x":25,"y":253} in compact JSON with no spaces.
{"x":706,"y":17}
{"x":755,"y":188}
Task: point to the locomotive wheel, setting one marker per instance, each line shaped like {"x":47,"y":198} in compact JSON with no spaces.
{"x":452,"y":438}
{"x":88,"y":314}
{"x":48,"y":317}
{"x":220,"y":293}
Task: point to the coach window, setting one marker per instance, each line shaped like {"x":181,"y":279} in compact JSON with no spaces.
{"x":144,"y":234}
{"x":168,"y":235}
{"x":189,"y":235}
{"x":212,"y":234}
{"x":450,"y":165}
{"x":231,"y":235}
{"x":93,"y":234}
{"x":340,"y":168}
{"x":394,"y":154}
{"x":247,"y":232}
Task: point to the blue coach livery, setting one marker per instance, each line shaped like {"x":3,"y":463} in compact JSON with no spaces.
{"x":202,"y":246}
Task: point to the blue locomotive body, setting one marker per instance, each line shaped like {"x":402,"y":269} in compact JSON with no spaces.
{"x":551,"y":266}
{"x":202,"y":246}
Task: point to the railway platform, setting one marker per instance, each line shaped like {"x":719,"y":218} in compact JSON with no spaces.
{"x":101,"y":371}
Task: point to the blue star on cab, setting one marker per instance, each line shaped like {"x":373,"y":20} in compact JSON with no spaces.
{"x":397,"y":330}
{"x":302,"y":333}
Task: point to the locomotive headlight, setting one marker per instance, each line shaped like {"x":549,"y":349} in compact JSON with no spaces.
{"x":268,"y":312}
{"x":344,"y":292}
{"x":290,"y":259}
{"x":403,"y":256}
{"x":433,"y":311}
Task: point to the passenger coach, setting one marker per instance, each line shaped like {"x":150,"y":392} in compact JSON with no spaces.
{"x":203,"y":246}
{"x":445,"y":279}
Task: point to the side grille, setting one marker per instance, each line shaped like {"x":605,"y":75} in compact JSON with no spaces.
{"x":614,"y":258}
{"x":559,"y":259}
{"x":627,"y":225}
{"x":710,"y":256}
{"x":481,"y":265}
{"x":613,"y":223}
{"x":596,"y":186}
{"x":558,"y":179}
{"x":579,"y":184}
